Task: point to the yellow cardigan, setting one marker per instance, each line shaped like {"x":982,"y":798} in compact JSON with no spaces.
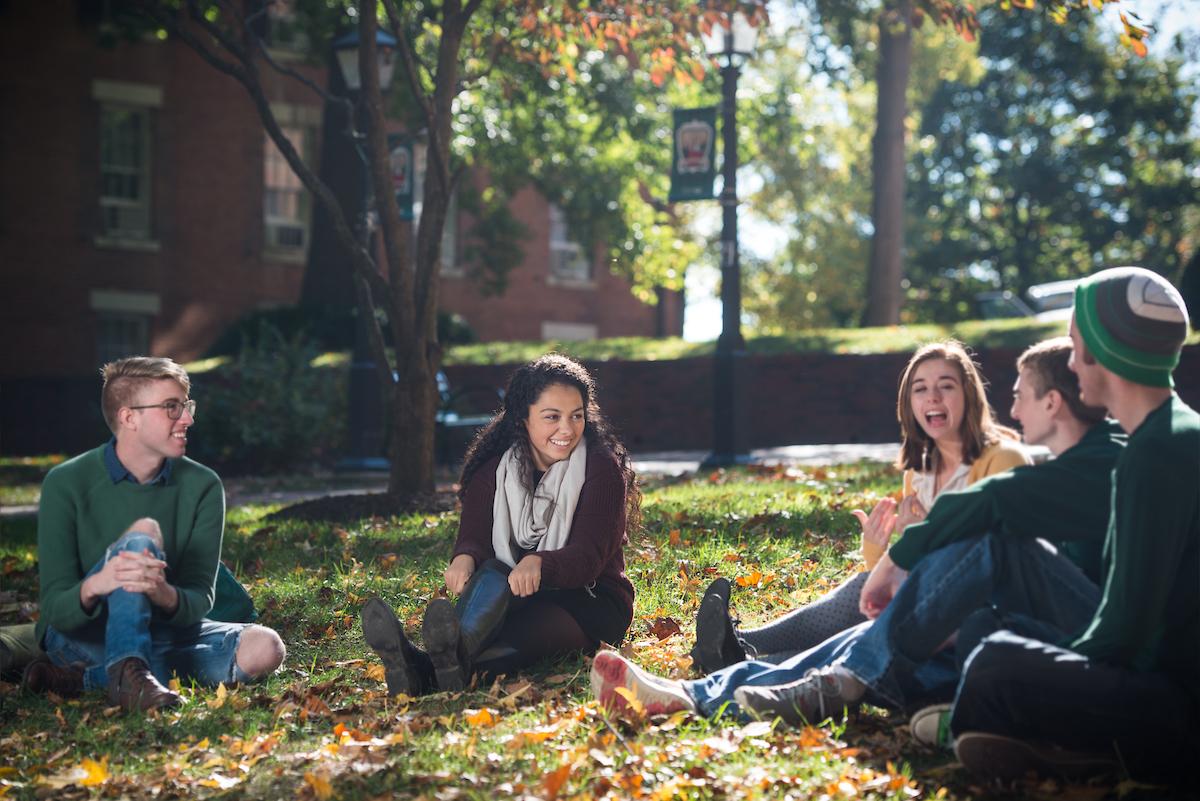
{"x":1002,"y":455}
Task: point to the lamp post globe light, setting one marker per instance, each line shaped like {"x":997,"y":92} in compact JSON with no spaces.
{"x":365,"y":414}
{"x":731,"y":42}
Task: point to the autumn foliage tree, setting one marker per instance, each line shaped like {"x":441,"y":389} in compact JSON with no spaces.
{"x":445,"y":49}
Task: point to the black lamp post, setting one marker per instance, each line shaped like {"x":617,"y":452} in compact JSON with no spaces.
{"x":364,"y":426}
{"x":733,"y":42}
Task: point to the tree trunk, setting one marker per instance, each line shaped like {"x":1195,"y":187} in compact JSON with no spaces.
{"x":410,"y":446}
{"x":888,"y":161}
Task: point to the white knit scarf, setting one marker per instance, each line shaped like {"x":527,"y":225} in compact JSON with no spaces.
{"x":538,"y":520}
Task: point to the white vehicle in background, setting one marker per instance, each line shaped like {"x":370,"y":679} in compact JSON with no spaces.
{"x":1054,"y":300}
{"x":1048,"y":302}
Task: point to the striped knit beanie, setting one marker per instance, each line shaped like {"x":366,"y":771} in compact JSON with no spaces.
{"x":1134,"y":323}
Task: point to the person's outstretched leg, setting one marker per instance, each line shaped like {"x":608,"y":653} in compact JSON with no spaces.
{"x":455,"y":635}
{"x":1017,"y":576}
{"x":407,"y":669}
{"x":811,"y":624}
{"x":1033,"y":699}
{"x":533,"y":631}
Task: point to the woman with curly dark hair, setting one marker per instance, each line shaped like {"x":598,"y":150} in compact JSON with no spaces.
{"x":548,"y":495}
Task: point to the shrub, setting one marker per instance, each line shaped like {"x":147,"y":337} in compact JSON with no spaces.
{"x":269,"y":407}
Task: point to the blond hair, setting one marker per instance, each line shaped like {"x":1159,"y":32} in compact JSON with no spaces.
{"x":1047,"y":366}
{"x":125,"y":378}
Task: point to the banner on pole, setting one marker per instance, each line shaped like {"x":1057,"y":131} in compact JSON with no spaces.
{"x":400,"y":152}
{"x":693,"y":154}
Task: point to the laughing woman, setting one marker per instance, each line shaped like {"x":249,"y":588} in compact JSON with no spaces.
{"x":547,"y":496}
{"x":949,"y":439}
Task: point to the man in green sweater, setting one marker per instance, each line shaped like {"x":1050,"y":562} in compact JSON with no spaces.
{"x":129,"y":538}
{"x":1128,"y":687}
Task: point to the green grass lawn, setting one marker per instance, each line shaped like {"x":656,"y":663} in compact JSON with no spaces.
{"x":323,"y":727}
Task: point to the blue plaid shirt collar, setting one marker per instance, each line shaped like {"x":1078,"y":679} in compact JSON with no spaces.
{"x":118,"y":472}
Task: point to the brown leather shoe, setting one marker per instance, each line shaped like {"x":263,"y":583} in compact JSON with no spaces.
{"x":43,"y":676}
{"x":133,"y":687}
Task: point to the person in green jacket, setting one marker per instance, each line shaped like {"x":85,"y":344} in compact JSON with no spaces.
{"x":976,"y":547}
{"x":1125,"y":692}
{"x":129,"y":540}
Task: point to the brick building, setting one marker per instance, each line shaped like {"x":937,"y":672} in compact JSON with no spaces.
{"x":143,"y":209}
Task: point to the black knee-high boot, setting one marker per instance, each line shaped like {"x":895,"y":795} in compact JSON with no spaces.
{"x":407,"y":669}
{"x":455,"y":635}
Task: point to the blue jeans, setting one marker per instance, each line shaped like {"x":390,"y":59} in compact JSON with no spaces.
{"x":1016,"y":576}
{"x":204,"y":651}
{"x":897,"y":655}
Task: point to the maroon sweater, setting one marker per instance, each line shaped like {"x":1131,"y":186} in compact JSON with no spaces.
{"x":592,"y":554}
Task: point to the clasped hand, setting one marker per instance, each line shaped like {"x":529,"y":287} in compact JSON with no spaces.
{"x":132,"y":571}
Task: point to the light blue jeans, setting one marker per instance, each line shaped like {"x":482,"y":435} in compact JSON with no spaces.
{"x":204,"y":651}
{"x":897,"y":655}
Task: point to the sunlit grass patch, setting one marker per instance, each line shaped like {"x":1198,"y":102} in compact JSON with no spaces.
{"x":323,"y":727}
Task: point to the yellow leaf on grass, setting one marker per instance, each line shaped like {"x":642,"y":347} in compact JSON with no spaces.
{"x":750,"y":580}
{"x":321,"y":786}
{"x":480,"y":719}
{"x":97,"y":772}
{"x":88,"y":773}
{"x":174,"y":685}
{"x":375,"y":672}
{"x":674,"y":536}
{"x":631,"y":699}
{"x":218,"y":701}
{"x":552,"y":782}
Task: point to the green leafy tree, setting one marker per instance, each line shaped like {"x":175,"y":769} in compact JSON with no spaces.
{"x":1065,"y":157}
{"x":810,"y":141}
{"x":879,"y":36}
{"x":446,"y":51}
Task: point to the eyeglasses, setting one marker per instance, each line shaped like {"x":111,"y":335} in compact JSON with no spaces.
{"x":174,"y":408}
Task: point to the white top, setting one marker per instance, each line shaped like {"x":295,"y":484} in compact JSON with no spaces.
{"x":923,"y":484}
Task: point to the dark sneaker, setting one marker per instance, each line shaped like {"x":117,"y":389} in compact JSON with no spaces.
{"x":133,"y":687}
{"x":819,"y":695}
{"x":406,"y":669}
{"x":931,"y":726}
{"x":994,"y":756}
{"x":43,"y":676}
{"x":717,"y":643}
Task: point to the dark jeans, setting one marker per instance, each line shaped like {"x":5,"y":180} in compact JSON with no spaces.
{"x":552,"y":623}
{"x":1024,"y":688}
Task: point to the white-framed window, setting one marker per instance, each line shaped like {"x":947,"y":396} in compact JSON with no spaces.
{"x":120,"y":335}
{"x":126,"y":135}
{"x":283,"y":31}
{"x":287,"y":208}
{"x":569,"y":263}
{"x":123,"y":321}
{"x":569,"y":332}
{"x":125,"y":172}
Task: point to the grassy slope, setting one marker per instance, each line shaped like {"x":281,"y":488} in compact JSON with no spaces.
{"x":323,"y":727}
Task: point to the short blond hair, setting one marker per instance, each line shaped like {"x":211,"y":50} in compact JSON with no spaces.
{"x":1047,"y":365}
{"x":124,"y":379}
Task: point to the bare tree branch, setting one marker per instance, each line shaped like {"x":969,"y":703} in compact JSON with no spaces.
{"x":412,"y":66}
{"x":247,"y":75}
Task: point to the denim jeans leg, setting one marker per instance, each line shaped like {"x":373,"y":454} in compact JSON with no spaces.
{"x":205,"y":652}
{"x":127,"y":632}
{"x":715,"y":690}
{"x":1020,"y":576}
{"x":90,"y":647}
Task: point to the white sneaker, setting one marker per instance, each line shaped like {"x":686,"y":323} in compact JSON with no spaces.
{"x":658,"y":696}
{"x":931,"y":726}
